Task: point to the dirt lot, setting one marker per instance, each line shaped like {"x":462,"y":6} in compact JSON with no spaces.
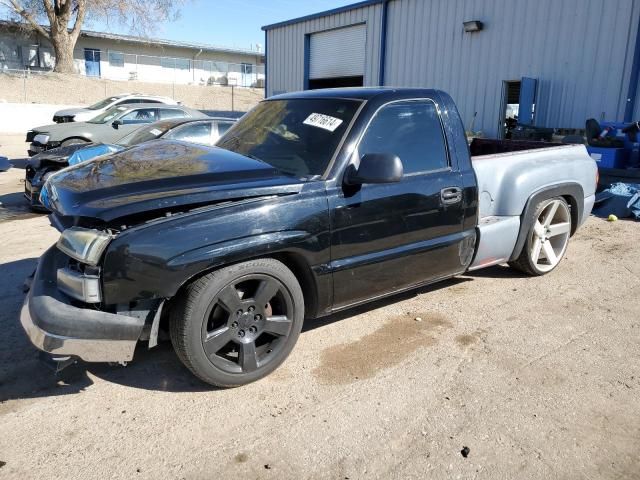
{"x":538,"y":377}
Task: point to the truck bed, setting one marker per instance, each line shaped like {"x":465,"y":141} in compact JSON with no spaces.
{"x":491,"y":146}
{"x":505,"y":182}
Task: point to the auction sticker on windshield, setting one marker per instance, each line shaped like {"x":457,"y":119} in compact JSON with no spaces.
{"x":323,"y":121}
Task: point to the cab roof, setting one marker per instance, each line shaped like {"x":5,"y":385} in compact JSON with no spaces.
{"x":357,"y":93}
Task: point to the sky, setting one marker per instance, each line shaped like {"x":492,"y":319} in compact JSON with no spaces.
{"x":235,"y":23}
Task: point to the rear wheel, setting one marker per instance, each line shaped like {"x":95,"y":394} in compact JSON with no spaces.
{"x":238,"y":324}
{"x":547,"y":238}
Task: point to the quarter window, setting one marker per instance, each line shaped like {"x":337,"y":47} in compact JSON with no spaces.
{"x":167,"y":113}
{"x":223,"y":127}
{"x":195,"y":133}
{"x":412,"y":131}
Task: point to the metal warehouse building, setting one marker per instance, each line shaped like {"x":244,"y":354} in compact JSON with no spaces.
{"x":553,"y":63}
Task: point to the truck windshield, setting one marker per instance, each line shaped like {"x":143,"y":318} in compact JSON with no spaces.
{"x":297,"y":136}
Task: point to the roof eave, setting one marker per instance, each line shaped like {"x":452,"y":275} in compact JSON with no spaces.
{"x":325,"y":13}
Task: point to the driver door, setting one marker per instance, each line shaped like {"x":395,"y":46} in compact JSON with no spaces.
{"x":387,"y":237}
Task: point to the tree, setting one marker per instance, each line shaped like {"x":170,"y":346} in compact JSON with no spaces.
{"x":66,"y":17}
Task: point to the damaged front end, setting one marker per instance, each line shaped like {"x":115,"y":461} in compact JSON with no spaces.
{"x":64,"y":313}
{"x":125,"y":221}
{"x":58,"y":322}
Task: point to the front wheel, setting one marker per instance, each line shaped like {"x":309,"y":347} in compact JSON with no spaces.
{"x":238,"y":324}
{"x":547,"y":238}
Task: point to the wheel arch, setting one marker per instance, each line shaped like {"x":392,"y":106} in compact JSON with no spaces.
{"x":292,"y":260}
{"x":571,"y":192}
{"x":75,"y":137}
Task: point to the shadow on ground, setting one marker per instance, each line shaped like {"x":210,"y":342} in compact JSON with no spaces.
{"x":13,"y":206}
{"x":367,"y":307}
{"x":19,"y":162}
{"x":498,"y":271}
{"x":25,"y":374}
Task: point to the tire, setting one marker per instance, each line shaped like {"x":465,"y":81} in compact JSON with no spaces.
{"x":547,"y":238}
{"x":230,"y":328}
{"x":72,"y":141}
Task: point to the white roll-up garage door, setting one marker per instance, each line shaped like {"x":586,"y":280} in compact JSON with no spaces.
{"x":337,"y":53}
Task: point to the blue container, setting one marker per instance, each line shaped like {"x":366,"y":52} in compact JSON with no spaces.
{"x":615,"y":130}
{"x":608,"y":157}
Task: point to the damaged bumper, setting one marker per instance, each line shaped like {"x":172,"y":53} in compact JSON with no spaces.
{"x":55,"y":325}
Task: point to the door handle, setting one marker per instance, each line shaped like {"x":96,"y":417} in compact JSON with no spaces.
{"x":451,"y":195}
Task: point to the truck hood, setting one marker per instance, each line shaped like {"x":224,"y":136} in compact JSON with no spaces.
{"x":59,"y":131}
{"x":161,"y":176}
{"x":59,"y":155}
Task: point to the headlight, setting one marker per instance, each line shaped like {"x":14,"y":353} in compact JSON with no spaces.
{"x":42,"y":138}
{"x":83,"y":244}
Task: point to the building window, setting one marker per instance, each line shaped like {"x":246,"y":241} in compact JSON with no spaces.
{"x":116,"y":59}
{"x":177,"y":63}
{"x":167,"y":62}
{"x":183,"y":64}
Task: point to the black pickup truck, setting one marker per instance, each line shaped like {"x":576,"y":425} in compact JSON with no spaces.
{"x":314,"y":202}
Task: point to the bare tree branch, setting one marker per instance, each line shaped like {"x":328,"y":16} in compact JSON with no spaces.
{"x":67,"y":17}
{"x":20,"y":10}
{"x":81,"y":10}
{"x":49,"y":9}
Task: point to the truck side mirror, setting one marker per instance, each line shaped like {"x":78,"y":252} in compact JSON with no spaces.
{"x":116,"y":124}
{"x":376,"y":168}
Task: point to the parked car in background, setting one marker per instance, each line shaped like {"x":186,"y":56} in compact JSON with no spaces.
{"x":312,"y":203}
{"x":204,"y":131}
{"x":4,"y":164}
{"x":232,"y":114}
{"x":87,"y":113}
{"x":108,"y":127}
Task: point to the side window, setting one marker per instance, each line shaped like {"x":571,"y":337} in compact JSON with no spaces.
{"x":196,"y":133}
{"x":142,"y":115}
{"x":412,"y":131}
{"x":167,"y":113}
{"x":223,"y":127}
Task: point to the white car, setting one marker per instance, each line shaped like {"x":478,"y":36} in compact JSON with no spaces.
{"x":87,"y":113}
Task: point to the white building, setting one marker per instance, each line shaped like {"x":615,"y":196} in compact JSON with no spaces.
{"x":124,"y":57}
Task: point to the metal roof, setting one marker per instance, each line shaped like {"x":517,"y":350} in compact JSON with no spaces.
{"x":149,"y":41}
{"x":167,"y":43}
{"x":325,"y":13}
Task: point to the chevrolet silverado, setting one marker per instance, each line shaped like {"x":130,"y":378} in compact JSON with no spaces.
{"x":312,"y":203}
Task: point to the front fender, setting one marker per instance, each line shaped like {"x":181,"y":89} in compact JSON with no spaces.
{"x":155,"y":260}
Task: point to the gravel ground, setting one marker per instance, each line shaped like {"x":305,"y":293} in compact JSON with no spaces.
{"x":537,"y":377}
